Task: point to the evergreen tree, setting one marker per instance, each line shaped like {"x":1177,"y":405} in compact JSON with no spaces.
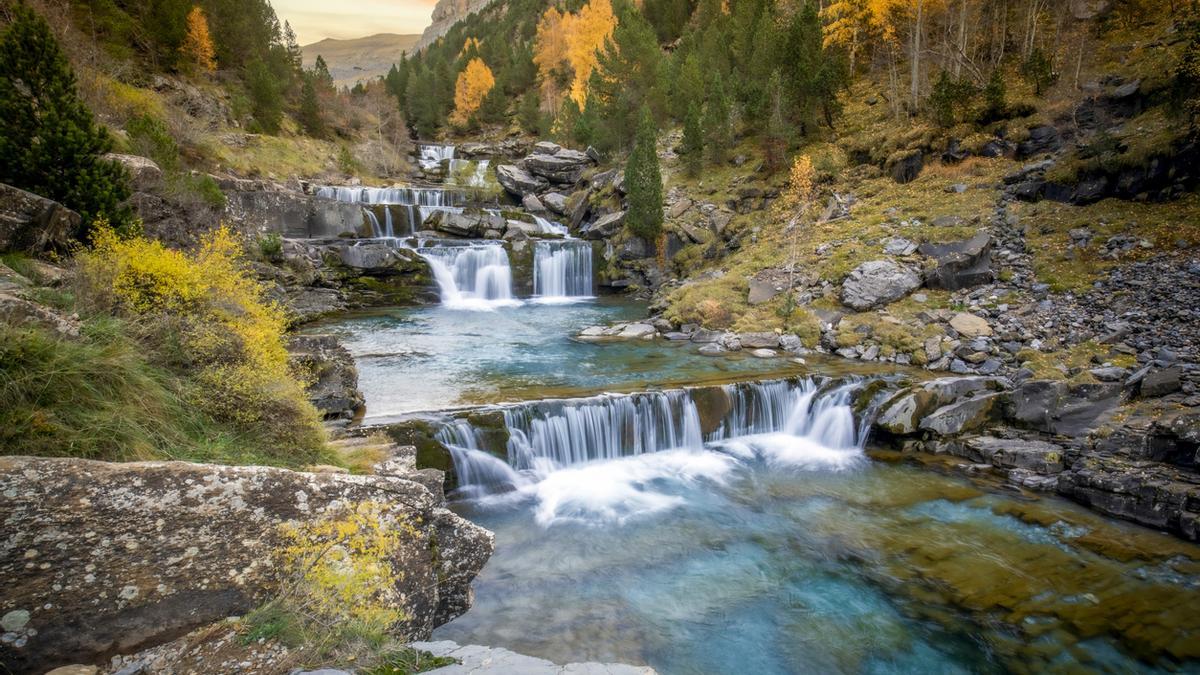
{"x":49,"y":141}
{"x":775,"y":138}
{"x":1038,"y":69}
{"x":693,"y":142}
{"x":265,"y":97}
{"x":1185,"y":86}
{"x":948,"y":98}
{"x":994,"y":98}
{"x":530,"y":114}
{"x":321,"y":76}
{"x":643,"y":179}
{"x":718,"y":123}
{"x":310,"y":109}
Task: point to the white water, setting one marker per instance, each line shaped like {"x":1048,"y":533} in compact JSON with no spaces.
{"x":475,"y":277}
{"x":562,"y":270}
{"x":432,"y":156}
{"x":608,"y":458}
{"x":412,"y":205}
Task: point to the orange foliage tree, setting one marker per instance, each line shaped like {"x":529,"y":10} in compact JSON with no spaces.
{"x":568,"y":46}
{"x":474,"y":84}
{"x":197,"y":44}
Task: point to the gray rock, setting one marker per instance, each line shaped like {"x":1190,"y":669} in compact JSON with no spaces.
{"x":1110,"y":374}
{"x":961,"y":264}
{"x":476,"y":660}
{"x":532,"y":204}
{"x":899,"y":246}
{"x":637,"y":331}
{"x":564,"y":167}
{"x":18,"y":311}
{"x":967,"y":415}
{"x":1161,"y":382}
{"x":332,"y":375}
{"x":877,"y":283}
{"x":556,"y":202}
{"x":145,"y":175}
{"x":1004,"y":453}
{"x":712,"y":349}
{"x":1061,"y":408}
{"x":906,"y":168}
{"x":765,"y":353}
{"x":164,"y":547}
{"x":519,"y":182}
{"x":605,"y":226}
{"x":759,"y":340}
{"x":33,"y":224}
{"x":704,"y":336}
{"x":546,"y":148}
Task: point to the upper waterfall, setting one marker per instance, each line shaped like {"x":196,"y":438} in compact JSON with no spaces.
{"x":562,"y":270}
{"x":477,"y":276}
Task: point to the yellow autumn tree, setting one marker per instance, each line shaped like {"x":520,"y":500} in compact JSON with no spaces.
{"x":197,"y":43}
{"x":474,"y":84}
{"x":568,"y":48}
{"x":847,"y":23}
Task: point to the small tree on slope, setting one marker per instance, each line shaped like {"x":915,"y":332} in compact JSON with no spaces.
{"x":643,"y":179}
{"x":49,"y":142}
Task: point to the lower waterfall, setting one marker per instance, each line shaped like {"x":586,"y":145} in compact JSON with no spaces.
{"x":562,"y":270}
{"x":472,"y":277}
{"x":775,"y":421}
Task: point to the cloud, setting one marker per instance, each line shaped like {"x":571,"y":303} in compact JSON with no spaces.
{"x":313,"y":20}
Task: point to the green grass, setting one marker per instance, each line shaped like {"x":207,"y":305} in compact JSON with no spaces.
{"x":102,"y":397}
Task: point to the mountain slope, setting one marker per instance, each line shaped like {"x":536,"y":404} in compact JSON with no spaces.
{"x":360,"y":59}
{"x":447,"y":13}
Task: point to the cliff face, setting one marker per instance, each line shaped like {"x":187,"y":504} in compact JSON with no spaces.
{"x":445,"y":15}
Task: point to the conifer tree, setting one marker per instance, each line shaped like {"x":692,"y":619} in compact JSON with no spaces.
{"x":775,"y":138}
{"x":693,"y":142}
{"x":718,"y":126}
{"x":49,"y":142}
{"x":310,"y":109}
{"x":643,"y":179}
{"x":265,"y":97}
{"x":197,"y":45}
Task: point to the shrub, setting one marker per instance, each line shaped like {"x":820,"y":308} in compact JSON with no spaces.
{"x":270,"y":246}
{"x":221,"y":331}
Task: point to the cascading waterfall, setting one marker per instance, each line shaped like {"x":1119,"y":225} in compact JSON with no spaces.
{"x":549,"y":436}
{"x":472,"y":277}
{"x":408,"y":205}
{"x":474,"y":467}
{"x":432,"y":156}
{"x":562,"y":270}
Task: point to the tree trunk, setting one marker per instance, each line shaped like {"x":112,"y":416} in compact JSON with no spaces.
{"x":915,"y":73}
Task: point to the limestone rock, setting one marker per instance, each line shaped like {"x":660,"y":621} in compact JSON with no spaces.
{"x":960,"y":264}
{"x":877,"y":283}
{"x":17,"y":311}
{"x":478,"y":660}
{"x":131,"y":555}
{"x":519,"y":182}
{"x":970,"y":326}
{"x":564,"y":167}
{"x":967,"y":415}
{"x":1062,"y":408}
{"x":1006,"y":453}
{"x":556,"y":202}
{"x":33,"y":224}
{"x":605,"y":226}
{"x":334,"y":389}
{"x":145,"y":174}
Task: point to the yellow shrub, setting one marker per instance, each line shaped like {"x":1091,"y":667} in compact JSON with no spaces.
{"x":227,"y":335}
{"x":349,"y":568}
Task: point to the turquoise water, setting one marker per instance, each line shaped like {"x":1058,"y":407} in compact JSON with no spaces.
{"x":433,"y":358}
{"x":751,"y":564}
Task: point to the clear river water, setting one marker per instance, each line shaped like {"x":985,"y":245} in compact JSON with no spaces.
{"x":774,"y":543}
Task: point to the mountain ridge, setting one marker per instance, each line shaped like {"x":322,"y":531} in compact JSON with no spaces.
{"x":361,"y":59}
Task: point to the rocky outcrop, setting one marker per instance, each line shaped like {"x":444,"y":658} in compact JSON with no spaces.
{"x":518,"y":182}
{"x":562,"y":167}
{"x":1144,"y":492}
{"x":33,"y":224}
{"x":332,"y":376}
{"x":905,"y":167}
{"x":145,"y":175}
{"x":103,"y":558}
{"x":877,"y":283}
{"x":263,"y":207}
{"x":446,"y":13}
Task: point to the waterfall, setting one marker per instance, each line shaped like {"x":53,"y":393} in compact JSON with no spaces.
{"x":472,"y":277}
{"x":410,"y":205}
{"x":562,"y":270}
{"x":783,"y":420}
{"x":474,"y":467}
{"x":432,"y":156}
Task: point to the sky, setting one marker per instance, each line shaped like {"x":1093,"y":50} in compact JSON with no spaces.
{"x":315,"y":20}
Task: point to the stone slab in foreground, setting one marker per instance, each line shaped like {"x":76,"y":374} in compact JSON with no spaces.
{"x":476,"y":660}
{"x":101,"y":558}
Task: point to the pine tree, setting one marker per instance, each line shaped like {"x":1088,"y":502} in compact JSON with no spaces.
{"x":321,"y":76}
{"x":310,"y":109}
{"x":693,"y":142}
{"x":265,"y":97}
{"x":197,"y":45}
{"x":1038,"y":69}
{"x":49,"y":142}
{"x":718,"y":125}
{"x":775,"y":138}
{"x":643,"y":179}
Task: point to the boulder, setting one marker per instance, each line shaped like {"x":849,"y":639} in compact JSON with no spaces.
{"x":1061,"y":408}
{"x":18,"y":311}
{"x":564,"y":167}
{"x":764,"y":353}
{"x":518,"y":182}
{"x":333,"y":378}
{"x":877,"y":283}
{"x":963,"y":416}
{"x":33,"y":224}
{"x":469,"y":225}
{"x":532,"y":204}
{"x":556,"y":202}
{"x":606,"y":226}
{"x":546,"y":148}
{"x":1152,"y":494}
{"x":1042,"y":139}
{"x":373,"y":259}
{"x":970,"y":326}
{"x":133,"y":555}
{"x":1005,"y":453}
{"x":1161,"y":382}
{"x":759,"y":340}
{"x":637,"y":331}
{"x":146,"y":176}
{"x":960,"y":264}
{"x":902,"y":414}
